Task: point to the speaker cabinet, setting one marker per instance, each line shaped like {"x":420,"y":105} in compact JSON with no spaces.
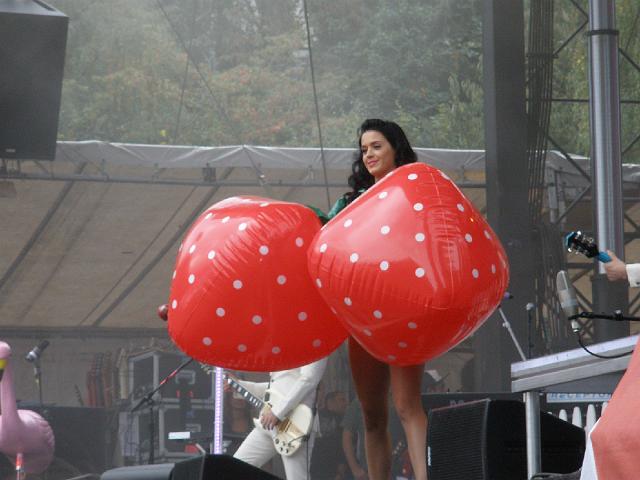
{"x":160,"y":471}
{"x":33,"y":39}
{"x":167,"y":418}
{"x":150,"y":368}
{"x":486,"y":440}
{"x":218,"y":467}
{"x":83,"y":436}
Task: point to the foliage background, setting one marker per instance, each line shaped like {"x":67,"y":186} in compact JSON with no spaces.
{"x":224,"y":72}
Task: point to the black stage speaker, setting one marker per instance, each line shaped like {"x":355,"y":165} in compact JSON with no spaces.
{"x":218,"y":467}
{"x":83,"y":436}
{"x":33,"y":39}
{"x":486,"y":440}
{"x":160,"y":471}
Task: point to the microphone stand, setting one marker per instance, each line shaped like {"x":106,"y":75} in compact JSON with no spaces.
{"x":148,"y":400}
{"x":37,"y":374}
{"x":507,"y":325}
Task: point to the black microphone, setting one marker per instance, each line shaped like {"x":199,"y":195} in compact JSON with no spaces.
{"x":568,"y":298}
{"x":35,"y":353}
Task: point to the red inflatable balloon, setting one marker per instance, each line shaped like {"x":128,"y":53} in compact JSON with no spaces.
{"x":241,"y":296}
{"x":410,"y":267}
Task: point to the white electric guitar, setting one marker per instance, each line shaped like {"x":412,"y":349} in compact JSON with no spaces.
{"x":289,"y":434}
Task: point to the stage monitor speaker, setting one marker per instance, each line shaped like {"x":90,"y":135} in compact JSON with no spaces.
{"x":486,"y":440}
{"x":218,"y":467}
{"x":33,"y":39}
{"x":84,"y":439}
{"x":159,"y":471}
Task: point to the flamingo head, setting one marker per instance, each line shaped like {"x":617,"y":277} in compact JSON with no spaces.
{"x":5,"y":353}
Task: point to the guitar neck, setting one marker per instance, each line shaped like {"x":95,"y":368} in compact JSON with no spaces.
{"x":246,"y":394}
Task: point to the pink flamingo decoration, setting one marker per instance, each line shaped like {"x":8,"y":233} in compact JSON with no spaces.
{"x":22,"y":432}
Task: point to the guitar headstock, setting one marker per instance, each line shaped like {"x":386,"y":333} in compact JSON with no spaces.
{"x":580,"y":243}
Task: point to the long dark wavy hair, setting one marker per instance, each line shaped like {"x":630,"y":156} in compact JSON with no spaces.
{"x":360,"y":177}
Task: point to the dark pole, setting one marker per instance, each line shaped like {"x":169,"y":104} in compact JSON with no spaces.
{"x":507,"y":181}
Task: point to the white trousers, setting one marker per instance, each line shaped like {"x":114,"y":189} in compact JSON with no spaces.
{"x":257,"y":449}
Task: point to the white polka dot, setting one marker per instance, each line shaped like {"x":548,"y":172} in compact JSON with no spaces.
{"x":302,"y":316}
{"x":383,"y":195}
{"x":207,"y":341}
{"x":347,"y":301}
{"x":242,"y":227}
{"x":420,"y":272}
{"x":353,"y":258}
{"x":174,"y":304}
{"x":237,"y":284}
{"x":323,"y":248}
{"x":225,"y":219}
{"x":174,"y":275}
{"x":412,"y":176}
{"x":220,"y":312}
{"x":412,"y":325}
{"x":318,"y":283}
{"x":402,"y":344}
{"x":256,"y":319}
{"x":242,"y":347}
{"x":192,"y":248}
{"x":493,"y":268}
{"x":475,"y":273}
{"x":418,"y":207}
{"x":316,"y":343}
{"x":264,"y":204}
{"x":275,"y":350}
{"x":367,"y":332}
{"x":281,"y":279}
{"x":385,"y":229}
{"x":468,"y":238}
{"x":299,"y":242}
{"x":192,"y":278}
{"x":347,"y":223}
{"x":263,"y":249}
{"x":377,"y":314}
{"x":460,"y":207}
{"x":419,"y":237}
{"x":211,"y":255}
{"x":486,"y":234}
{"x":384,"y":265}
{"x":392,"y":358}
{"x":208,"y":216}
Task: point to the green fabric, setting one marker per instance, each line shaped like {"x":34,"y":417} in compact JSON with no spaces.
{"x":340,"y":204}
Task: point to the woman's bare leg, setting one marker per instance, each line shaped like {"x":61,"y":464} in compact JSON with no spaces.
{"x":407,"y":399}
{"x":371,"y":378}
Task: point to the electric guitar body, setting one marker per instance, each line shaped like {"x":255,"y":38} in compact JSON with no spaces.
{"x":292,"y":431}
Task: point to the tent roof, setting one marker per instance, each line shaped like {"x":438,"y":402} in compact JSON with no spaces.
{"x":89,"y":240}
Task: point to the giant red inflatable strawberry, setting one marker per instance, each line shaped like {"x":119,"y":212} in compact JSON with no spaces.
{"x":410,"y":267}
{"x":241,"y":296}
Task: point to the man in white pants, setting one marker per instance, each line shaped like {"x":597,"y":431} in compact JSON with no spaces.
{"x":297,"y":386}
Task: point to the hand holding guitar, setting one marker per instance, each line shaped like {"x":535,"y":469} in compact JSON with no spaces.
{"x":616,"y":269}
{"x":267,"y":419}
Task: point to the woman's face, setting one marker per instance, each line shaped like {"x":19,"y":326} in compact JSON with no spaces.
{"x":377,"y":154}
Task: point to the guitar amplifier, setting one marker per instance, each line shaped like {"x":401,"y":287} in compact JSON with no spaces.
{"x":135,"y":430}
{"x":147,"y":370}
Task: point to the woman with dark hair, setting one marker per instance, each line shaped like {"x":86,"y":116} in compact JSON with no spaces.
{"x":383,"y":146}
